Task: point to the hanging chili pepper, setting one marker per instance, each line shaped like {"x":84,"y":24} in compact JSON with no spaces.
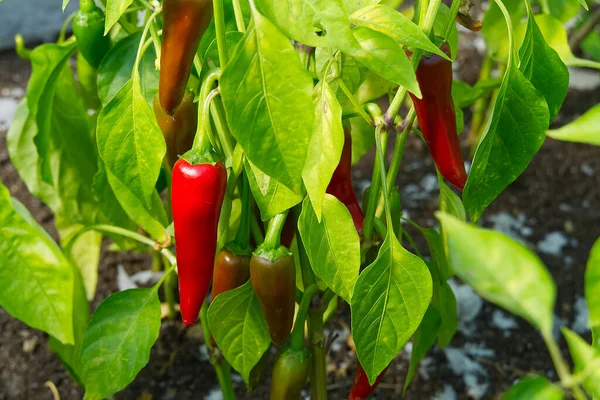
{"x":197,"y":196}
{"x":88,"y":28}
{"x":180,"y":129}
{"x":341,"y":183}
{"x":185,"y":21}
{"x":273,"y":277}
{"x":437,"y":118}
{"x":361,"y":389}
{"x":293,"y":364}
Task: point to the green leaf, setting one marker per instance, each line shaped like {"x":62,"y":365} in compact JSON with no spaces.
{"x":386,"y":20}
{"x":325,"y":148}
{"x":117,"y":341}
{"x":451,"y":203}
{"x":132,"y":147}
{"x":501,"y":270}
{"x":65,"y":4}
{"x":260,"y":86}
{"x":85,"y":252}
{"x":564,"y":10}
{"x":69,"y":353}
{"x":363,"y":137}
{"x":239,"y":329}
{"x":586,"y":360}
{"x":271,"y":196}
{"x":542,"y":66}
{"x":382,"y":55}
{"x":465,"y":95}
{"x":114,"y":10}
{"x":390,"y":299}
{"x":596,"y":337}
{"x":533,"y":388}
{"x":494,"y":28}
{"x":332,"y":245}
{"x":592,"y":285}
{"x":354,"y":5}
{"x":116,"y":67}
{"x":36,"y":280}
{"x":585,"y":129}
{"x":423,"y":341}
{"x":513,"y":135}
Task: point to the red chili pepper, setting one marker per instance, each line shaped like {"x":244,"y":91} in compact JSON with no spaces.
{"x":185,"y":21}
{"x":361,"y":389}
{"x":341,"y":183}
{"x":437,"y":118}
{"x":197,"y":196}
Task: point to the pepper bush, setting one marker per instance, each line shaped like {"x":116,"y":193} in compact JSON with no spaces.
{"x":284,"y":96}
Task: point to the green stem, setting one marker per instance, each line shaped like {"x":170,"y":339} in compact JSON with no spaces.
{"x":20,"y":48}
{"x":219,"y":16}
{"x":480,"y":106}
{"x":378,"y":142}
{"x":169,"y":289}
{"x":360,"y":109}
{"x":155,"y":38}
{"x":580,"y":62}
{"x":297,"y":336}
{"x":242,"y":236}
{"x":561,"y":365}
{"x":143,"y":46}
{"x":239,"y":16}
{"x":380,"y":227}
{"x":318,"y":375}
{"x":451,"y":21}
{"x":63,"y":30}
{"x":218,"y":113}
{"x":202,"y":140}
{"x":273,"y":238}
{"x":374,"y":194}
{"x":257,"y":234}
{"x":308,"y":276}
{"x":512,"y":55}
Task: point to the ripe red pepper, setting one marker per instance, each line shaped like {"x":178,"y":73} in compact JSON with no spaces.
{"x":341,"y":183}
{"x":180,"y":129}
{"x":185,"y":21}
{"x":361,"y":389}
{"x":197,"y":196}
{"x":437,"y":118}
{"x":273,"y":276}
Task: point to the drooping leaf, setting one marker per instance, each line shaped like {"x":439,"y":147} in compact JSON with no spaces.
{"x":263,"y":82}
{"x":332,"y":245}
{"x":117,"y":341}
{"x":501,"y":270}
{"x":325,"y":148}
{"x":390,"y":299}
{"x":239,"y":329}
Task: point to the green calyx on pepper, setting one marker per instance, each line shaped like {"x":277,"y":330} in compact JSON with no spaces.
{"x":88,"y":28}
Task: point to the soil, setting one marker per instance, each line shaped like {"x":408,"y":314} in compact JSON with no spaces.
{"x":559,"y":192}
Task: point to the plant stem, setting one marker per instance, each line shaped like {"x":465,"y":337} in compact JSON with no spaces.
{"x":273,"y":238}
{"x":580,"y":62}
{"x":360,"y":109}
{"x":561,"y":365}
{"x":297,"y":336}
{"x":480,"y":106}
{"x":239,"y":16}
{"x":201,"y":140}
{"x":223,"y":132}
{"x":453,"y":13}
{"x":142,"y":47}
{"x":380,"y":227}
{"x":169,"y":290}
{"x":242,"y":236}
{"x":379,"y":133}
{"x":219,"y":16}
{"x":22,"y":51}
{"x":63,"y":30}
{"x":318,"y":374}
{"x":374,"y":194}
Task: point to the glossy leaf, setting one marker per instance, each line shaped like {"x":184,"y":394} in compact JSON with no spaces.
{"x":542,"y":66}
{"x":36,"y":279}
{"x":261,"y":85}
{"x":325,"y":148}
{"x":592,"y":285}
{"x":117,"y":341}
{"x":423,"y":341}
{"x":271,"y":196}
{"x":533,"y":388}
{"x":114,"y":10}
{"x":384,"y":19}
{"x":382,"y":55}
{"x":332,"y":245}
{"x":116,"y":67}
{"x":494,"y":26}
{"x":390,"y":299}
{"x":239,"y":329}
{"x":354,"y":5}
{"x":586,"y":358}
{"x":585,"y":129}
{"x":501,"y":270}
{"x":513,"y":135}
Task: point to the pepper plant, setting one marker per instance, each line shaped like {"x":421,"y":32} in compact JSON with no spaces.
{"x":221,"y":135}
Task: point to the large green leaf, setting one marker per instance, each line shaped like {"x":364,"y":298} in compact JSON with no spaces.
{"x":117,"y":341}
{"x":131,"y":146}
{"x":585,"y":129}
{"x":513,"y":135}
{"x":586,"y":360}
{"x":36,"y":279}
{"x":239,"y":329}
{"x":533,"y":388}
{"x":262,"y":83}
{"x":501,"y":270}
{"x":325,"y":148}
{"x":332,"y":245}
{"x":390,"y":299}
{"x":396,"y":25}
{"x":116,"y":67}
{"x":114,"y":10}
{"x":592,"y":285}
{"x":542,"y":66}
